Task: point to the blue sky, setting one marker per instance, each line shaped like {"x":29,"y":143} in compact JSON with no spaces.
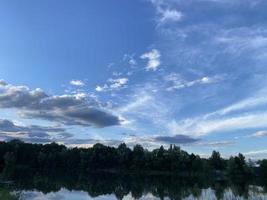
{"x":154,"y":72}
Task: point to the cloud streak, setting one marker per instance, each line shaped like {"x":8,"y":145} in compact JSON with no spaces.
{"x":176,"y":139}
{"x":177,"y":82}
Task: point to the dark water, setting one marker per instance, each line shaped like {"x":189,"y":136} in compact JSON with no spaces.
{"x":111,"y":186}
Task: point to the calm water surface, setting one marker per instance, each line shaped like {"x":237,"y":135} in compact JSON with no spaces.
{"x":64,"y":194}
{"x":110,"y":187}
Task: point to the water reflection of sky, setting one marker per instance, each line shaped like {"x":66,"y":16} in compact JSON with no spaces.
{"x":254,"y":193}
{"x":62,"y":194}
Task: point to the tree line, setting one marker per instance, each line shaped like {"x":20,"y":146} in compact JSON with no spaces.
{"x":19,"y":158}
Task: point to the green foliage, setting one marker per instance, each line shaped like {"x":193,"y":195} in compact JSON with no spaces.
{"x":216,"y":162}
{"x":6,"y":195}
{"x":263,"y":170}
{"x":17,"y":158}
{"x":237,"y":168}
{"x":10,"y":164}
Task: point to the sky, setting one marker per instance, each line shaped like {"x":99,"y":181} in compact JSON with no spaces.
{"x":150,"y":72}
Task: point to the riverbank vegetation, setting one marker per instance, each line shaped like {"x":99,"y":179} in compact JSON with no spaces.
{"x":18,"y":158}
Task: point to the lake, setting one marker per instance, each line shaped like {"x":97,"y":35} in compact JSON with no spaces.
{"x":112,"y":187}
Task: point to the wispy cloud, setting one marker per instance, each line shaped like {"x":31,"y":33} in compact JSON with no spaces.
{"x":202,"y":126}
{"x":246,"y":104}
{"x":177,"y":82}
{"x":256,"y":154}
{"x":215,"y":144}
{"x":166,"y":13}
{"x":243,"y":40}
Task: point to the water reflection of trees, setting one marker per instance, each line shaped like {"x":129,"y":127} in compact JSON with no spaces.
{"x":161,"y":186}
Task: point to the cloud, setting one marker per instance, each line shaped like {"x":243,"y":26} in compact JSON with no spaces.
{"x":177,"y":82}
{"x":259,"y":134}
{"x":2,"y":82}
{"x":256,"y":100}
{"x":176,"y":139}
{"x":20,"y":97}
{"x":74,"y":109}
{"x":153,"y":58}
{"x":101,"y":88}
{"x":90,"y":142}
{"x":113,"y":84}
{"x":216,"y":144}
{"x":118,"y":83}
{"x":256,"y":154}
{"x":202,"y":126}
{"x":166,"y":13}
{"x":9,"y":126}
{"x":152,"y":141}
{"x":170,"y":15}
{"x":144,"y":108}
{"x":77,"y":83}
{"x":31,"y":133}
{"x":242,"y":39}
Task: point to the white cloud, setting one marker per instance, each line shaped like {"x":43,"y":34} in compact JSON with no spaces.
{"x":143,"y":106}
{"x":80,"y":95}
{"x":116,"y":73}
{"x":200,"y":126}
{"x":258,"y":154}
{"x":139,"y":101}
{"x":101,"y":88}
{"x":118,"y":83}
{"x":170,"y":15}
{"x":114,"y":84}
{"x":215,"y":144}
{"x":177,"y":82}
{"x":166,"y":13}
{"x":77,"y":83}
{"x":256,"y":100}
{"x":132,"y":61}
{"x":259,"y":134}
{"x":153,"y":58}
{"x":239,"y":40}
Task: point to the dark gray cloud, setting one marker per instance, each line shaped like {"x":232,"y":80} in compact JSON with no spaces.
{"x":8,"y":130}
{"x":90,"y":142}
{"x":68,"y":109}
{"x":65,"y":135}
{"x":42,"y":134}
{"x":38,"y":140}
{"x":176,"y":139}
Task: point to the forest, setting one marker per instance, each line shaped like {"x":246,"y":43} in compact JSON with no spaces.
{"x":18,"y":158}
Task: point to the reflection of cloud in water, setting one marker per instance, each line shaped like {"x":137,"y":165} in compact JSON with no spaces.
{"x":148,"y":196}
{"x":254,"y":193}
{"x":63,"y":194}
